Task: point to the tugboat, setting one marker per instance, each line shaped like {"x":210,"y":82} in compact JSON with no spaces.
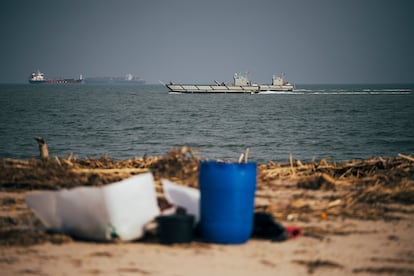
{"x":39,"y":78}
{"x":241,"y":84}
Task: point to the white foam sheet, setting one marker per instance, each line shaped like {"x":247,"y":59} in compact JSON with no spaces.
{"x":186,"y":197}
{"x":118,"y":210}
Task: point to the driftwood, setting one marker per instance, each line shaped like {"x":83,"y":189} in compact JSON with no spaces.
{"x":409,"y":158}
{"x":293,"y":190}
{"x":44,"y":152}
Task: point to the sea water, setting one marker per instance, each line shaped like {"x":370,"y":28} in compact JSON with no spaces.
{"x":340,"y":122}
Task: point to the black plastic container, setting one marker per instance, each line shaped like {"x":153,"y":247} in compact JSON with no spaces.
{"x":177,"y":228}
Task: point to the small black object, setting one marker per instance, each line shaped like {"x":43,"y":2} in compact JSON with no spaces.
{"x":265,"y":227}
{"x":181,"y":211}
{"x":177,"y":228}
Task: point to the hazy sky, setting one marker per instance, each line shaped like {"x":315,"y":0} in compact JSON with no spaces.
{"x":312,"y":41}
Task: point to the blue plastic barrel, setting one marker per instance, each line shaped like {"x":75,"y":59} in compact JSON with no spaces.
{"x":227,"y":201}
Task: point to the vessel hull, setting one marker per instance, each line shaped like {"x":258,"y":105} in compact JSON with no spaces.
{"x":62,"y":81}
{"x":204,"y":89}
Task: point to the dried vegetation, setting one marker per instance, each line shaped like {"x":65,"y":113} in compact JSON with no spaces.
{"x":377,"y":188}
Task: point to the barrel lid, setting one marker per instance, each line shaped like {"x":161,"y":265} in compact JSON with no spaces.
{"x":180,"y":215}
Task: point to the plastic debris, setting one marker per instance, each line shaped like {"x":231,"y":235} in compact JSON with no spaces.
{"x":186,"y":197}
{"x":115,"y":211}
{"x":293,"y":231}
{"x":176,"y":228}
{"x":265,"y":227}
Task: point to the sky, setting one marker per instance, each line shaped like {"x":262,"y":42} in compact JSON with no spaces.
{"x":199,"y":41}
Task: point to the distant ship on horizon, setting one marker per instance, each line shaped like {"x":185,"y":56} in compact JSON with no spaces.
{"x":127,"y":79}
{"x":39,"y":78}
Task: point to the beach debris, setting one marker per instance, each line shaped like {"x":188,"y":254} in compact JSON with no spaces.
{"x":361,"y":189}
{"x":409,"y":158}
{"x":44,"y":152}
{"x":293,"y":231}
{"x":227,"y":192}
{"x":265,"y":227}
{"x":186,"y":197}
{"x":379,"y":188}
{"x":244,"y":156}
{"x":176,"y":228}
{"x":116,"y":211}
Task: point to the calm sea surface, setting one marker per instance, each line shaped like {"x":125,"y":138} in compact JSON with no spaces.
{"x":341,"y":122}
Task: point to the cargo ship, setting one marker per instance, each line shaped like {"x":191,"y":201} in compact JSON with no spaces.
{"x":39,"y":78}
{"x":241,"y":84}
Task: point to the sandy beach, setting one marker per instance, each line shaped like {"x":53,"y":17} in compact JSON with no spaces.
{"x":365,"y":248}
{"x":357,"y":218}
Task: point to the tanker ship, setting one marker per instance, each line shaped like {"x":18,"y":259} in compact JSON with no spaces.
{"x":39,"y":78}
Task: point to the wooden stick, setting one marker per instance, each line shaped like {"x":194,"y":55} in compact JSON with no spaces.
{"x":44,"y":152}
{"x":111,"y":171}
{"x":328,"y":178}
{"x":241,"y":157}
{"x":407,"y":157}
{"x":291,"y":164}
{"x":246,"y":155}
